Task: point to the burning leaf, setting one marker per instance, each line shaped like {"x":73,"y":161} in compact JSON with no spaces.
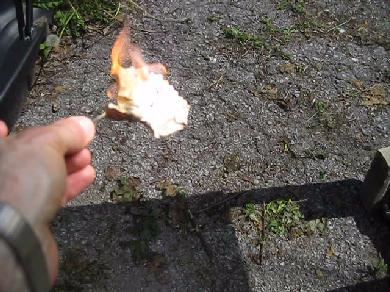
{"x":142,"y":93}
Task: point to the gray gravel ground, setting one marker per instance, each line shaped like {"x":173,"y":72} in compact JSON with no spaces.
{"x":282,"y":121}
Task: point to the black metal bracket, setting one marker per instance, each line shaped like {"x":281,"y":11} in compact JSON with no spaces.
{"x":24,"y":17}
{"x":22,"y":30}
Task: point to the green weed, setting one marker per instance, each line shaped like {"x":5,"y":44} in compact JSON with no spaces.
{"x":297,"y":6}
{"x":126,"y":190}
{"x":256,"y":42}
{"x":214,"y":18}
{"x":277,"y":51}
{"x":48,"y":4}
{"x":282,"y":215}
{"x":381,"y":268}
{"x":145,"y":230}
{"x":182,"y":193}
{"x":319,"y":225}
{"x":327,"y":119}
{"x":309,"y":25}
{"x":73,"y":17}
{"x":323,"y":175}
{"x":45,"y":49}
{"x":269,"y":26}
{"x":232,"y":162}
{"x":320,"y":107}
{"x":244,"y":37}
{"x":252,"y":213}
{"x":386,"y":74}
{"x":288,"y":33}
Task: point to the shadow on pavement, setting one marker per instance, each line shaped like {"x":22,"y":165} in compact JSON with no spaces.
{"x":188,"y":244}
{"x":371,"y":286}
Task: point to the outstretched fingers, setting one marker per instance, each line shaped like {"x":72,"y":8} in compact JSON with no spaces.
{"x":78,"y":161}
{"x":78,"y":182}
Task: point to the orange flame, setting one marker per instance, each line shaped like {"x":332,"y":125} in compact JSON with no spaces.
{"x":123,"y":49}
{"x":141,"y":91}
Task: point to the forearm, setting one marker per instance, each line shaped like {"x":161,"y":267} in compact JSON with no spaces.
{"x":22,"y":250}
{"x":26,"y":193}
{"x":12,"y":277}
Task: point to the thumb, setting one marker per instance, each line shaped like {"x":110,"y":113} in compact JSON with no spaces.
{"x":72,"y":134}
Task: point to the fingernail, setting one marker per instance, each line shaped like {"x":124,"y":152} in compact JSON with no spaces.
{"x":87,"y":125}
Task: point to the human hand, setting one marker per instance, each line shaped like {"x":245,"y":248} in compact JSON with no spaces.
{"x":41,"y":169}
{"x":3,"y":130}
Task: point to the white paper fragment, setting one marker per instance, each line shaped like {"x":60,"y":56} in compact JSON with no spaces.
{"x":150,"y":98}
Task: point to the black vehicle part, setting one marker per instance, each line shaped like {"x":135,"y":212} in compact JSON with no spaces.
{"x":22,"y":30}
